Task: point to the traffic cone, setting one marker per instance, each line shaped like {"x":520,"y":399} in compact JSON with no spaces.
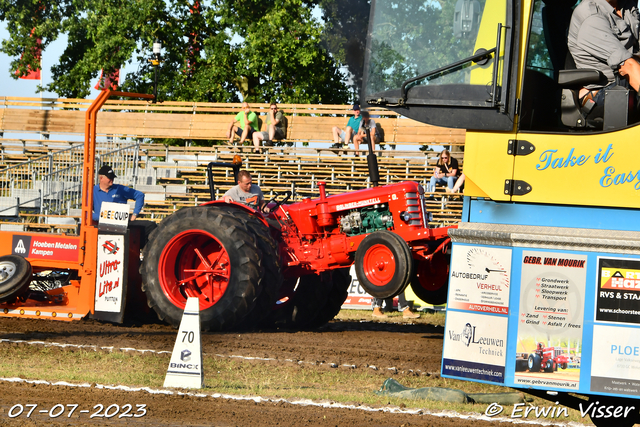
{"x":185,"y":368}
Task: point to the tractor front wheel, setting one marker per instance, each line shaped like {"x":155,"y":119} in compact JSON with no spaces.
{"x":383,"y":264}
{"x":431,"y":281}
{"x":205,"y":253}
{"x":15,"y":276}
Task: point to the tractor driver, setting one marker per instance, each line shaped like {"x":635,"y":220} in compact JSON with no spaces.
{"x":245,"y":192}
{"x":603,"y":35}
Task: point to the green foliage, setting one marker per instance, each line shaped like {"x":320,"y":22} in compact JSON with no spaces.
{"x":412,"y":37}
{"x":212,"y":51}
{"x":345,"y":34}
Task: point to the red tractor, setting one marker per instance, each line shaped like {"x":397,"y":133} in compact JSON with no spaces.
{"x":290,"y":267}
{"x":547,"y":359}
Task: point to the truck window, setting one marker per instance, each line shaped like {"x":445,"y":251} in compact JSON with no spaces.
{"x":547,"y":54}
{"x":411,"y":37}
{"x":432,"y":57}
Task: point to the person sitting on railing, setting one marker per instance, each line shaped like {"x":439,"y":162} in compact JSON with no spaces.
{"x":344,"y":136}
{"x":367,"y":123}
{"x":248,"y":121}
{"x":275,"y":129}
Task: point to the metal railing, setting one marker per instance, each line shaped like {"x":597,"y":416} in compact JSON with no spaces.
{"x":51,"y":184}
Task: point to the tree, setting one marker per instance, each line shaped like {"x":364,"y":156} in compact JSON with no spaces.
{"x":215,"y":51}
{"x":345,"y":33}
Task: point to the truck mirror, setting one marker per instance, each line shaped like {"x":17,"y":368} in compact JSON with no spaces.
{"x":466,"y":18}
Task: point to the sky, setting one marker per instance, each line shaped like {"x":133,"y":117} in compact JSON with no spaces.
{"x":27,"y":88}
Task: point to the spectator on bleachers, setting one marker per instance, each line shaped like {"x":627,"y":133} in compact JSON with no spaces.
{"x":275,"y":128}
{"x":459,"y":183}
{"x":345,"y":136}
{"x":369,"y":124}
{"x":445,"y":171}
{"x":248,"y":124}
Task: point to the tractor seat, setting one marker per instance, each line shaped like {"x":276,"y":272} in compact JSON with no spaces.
{"x":573,"y":114}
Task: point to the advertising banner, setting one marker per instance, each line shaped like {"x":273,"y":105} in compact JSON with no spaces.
{"x":475,"y":346}
{"x":615,"y":360}
{"x":550,"y":321}
{"x":480,"y":279}
{"x":618,"y":292}
{"x":110,"y":274}
{"x":50,"y":248}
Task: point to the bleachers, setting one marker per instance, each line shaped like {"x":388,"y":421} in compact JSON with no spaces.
{"x":175,"y":176}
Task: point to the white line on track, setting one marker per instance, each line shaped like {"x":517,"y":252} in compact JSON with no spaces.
{"x":301,"y":402}
{"x":264,"y":359}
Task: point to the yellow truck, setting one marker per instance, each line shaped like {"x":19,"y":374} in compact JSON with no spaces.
{"x":548,"y":250}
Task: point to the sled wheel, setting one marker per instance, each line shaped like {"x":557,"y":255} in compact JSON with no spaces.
{"x":431,"y":281}
{"x":270,"y":261}
{"x":534,"y":362}
{"x":341,"y":280}
{"x":15,"y":276}
{"x":383,"y":264}
{"x":521,"y":365}
{"x":204,"y":253}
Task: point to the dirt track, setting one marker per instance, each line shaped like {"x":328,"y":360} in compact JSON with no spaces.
{"x":403,"y":346}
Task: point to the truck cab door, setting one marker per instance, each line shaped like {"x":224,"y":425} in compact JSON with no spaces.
{"x":451,"y":63}
{"x":567,"y":161}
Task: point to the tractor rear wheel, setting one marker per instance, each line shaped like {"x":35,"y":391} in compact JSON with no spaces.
{"x":205,"y":253}
{"x":534,"y":362}
{"x":383,"y":264}
{"x":431,"y":281}
{"x":270,"y":261}
{"x":15,"y":276}
{"x":341,"y":280}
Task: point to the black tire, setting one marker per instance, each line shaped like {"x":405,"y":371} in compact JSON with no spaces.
{"x":521,"y":365}
{"x":15,"y":276}
{"x":430,"y":282}
{"x":564,"y":365}
{"x":378,"y":249}
{"x":341,"y":280}
{"x":175,"y":248}
{"x":548,"y":367}
{"x":534,"y":362}
{"x":304,"y":304}
{"x":271,"y":281}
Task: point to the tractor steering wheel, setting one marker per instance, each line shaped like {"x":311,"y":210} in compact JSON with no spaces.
{"x":278,"y":203}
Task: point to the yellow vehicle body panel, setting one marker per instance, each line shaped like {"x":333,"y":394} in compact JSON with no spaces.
{"x":587,"y":170}
{"x":487,"y":164}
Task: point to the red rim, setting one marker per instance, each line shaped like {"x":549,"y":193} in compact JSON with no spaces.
{"x":194,"y":264}
{"x":379,"y":265}
{"x":433,"y":274}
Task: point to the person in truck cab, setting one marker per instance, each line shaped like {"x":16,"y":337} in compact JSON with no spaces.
{"x":603,"y":35}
